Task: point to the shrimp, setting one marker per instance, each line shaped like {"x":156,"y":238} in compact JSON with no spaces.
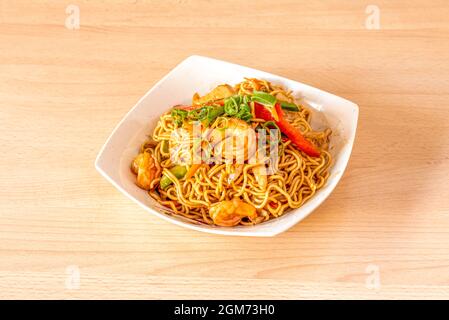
{"x":230,"y":212}
{"x":147,"y":170}
{"x":235,"y":141}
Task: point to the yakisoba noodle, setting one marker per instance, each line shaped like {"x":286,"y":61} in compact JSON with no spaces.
{"x":232,"y":193}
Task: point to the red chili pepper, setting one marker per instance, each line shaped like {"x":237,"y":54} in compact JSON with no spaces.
{"x":287,"y":128}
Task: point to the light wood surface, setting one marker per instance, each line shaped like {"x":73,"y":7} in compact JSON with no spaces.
{"x":62,"y":92}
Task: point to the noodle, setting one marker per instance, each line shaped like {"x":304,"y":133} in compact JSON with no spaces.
{"x":298,"y":177}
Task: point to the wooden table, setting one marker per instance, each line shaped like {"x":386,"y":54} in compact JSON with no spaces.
{"x":65,"y":232}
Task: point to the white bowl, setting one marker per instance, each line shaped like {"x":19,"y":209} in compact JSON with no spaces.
{"x":201,"y":74}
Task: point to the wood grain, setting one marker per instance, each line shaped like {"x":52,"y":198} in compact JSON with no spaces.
{"x":62,"y":92}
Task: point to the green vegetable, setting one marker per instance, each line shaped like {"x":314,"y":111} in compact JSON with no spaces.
{"x":272,"y":125}
{"x":195,"y":114}
{"x":206,"y":113}
{"x":263,"y":98}
{"x":179,"y":116}
{"x":289,"y":106}
{"x":232,"y":105}
{"x":213,"y":113}
{"x":178,"y":171}
{"x":244,"y":113}
{"x":238,"y":107}
{"x":164,"y":146}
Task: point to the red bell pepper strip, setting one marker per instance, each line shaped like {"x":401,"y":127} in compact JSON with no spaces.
{"x":261,"y":112}
{"x":293,"y":133}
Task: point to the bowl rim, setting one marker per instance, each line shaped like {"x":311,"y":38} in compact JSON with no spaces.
{"x":244,"y":231}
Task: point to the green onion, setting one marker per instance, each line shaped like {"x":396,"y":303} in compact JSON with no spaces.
{"x":179,"y":116}
{"x":272,"y":125}
{"x":231,"y":105}
{"x":263,"y":98}
{"x":206,"y":113}
{"x":213,"y":113}
{"x":195,"y":114}
{"x":289,"y":106}
{"x":238,"y":107}
{"x":244,"y":112}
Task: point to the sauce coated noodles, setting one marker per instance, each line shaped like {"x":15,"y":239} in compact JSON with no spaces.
{"x":239,"y":155}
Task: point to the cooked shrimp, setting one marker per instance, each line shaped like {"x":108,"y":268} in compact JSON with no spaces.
{"x":147,"y":170}
{"x":236,"y":140}
{"x":229,"y":213}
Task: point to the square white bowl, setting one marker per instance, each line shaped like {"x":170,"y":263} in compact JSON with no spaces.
{"x":201,"y":74}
